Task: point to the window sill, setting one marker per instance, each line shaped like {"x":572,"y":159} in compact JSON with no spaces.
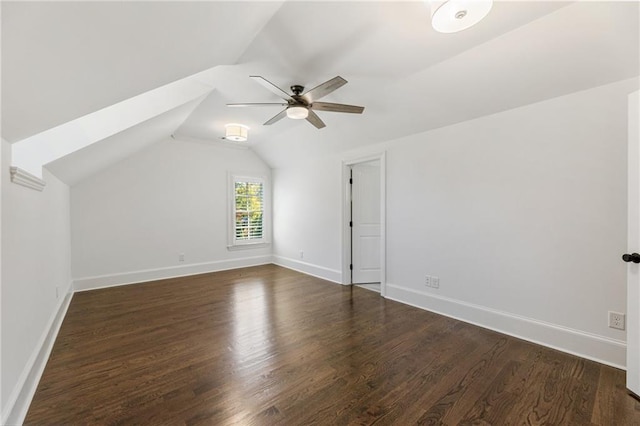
{"x":248,"y":246}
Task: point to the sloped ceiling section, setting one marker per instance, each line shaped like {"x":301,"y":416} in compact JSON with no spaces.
{"x":373,"y":45}
{"x":442,"y":79}
{"x":412,"y":79}
{"x":32,"y":153}
{"x":64,"y":60}
{"x":77,"y":73}
{"x":80,"y":164}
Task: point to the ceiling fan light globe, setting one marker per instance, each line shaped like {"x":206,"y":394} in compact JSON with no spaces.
{"x":297,"y":112}
{"x":451,"y":16}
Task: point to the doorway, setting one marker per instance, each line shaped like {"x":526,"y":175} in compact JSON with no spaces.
{"x":364,"y":223}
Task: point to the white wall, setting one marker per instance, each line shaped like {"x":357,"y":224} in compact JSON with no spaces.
{"x":521,"y":214}
{"x":35,"y":261}
{"x":131,"y":221}
{"x":307,"y":217}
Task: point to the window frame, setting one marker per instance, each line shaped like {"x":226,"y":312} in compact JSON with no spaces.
{"x":234,"y":243}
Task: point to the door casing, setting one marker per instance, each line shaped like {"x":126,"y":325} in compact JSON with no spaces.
{"x":633,"y":245}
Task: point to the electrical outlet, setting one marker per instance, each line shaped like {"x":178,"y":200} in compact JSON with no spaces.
{"x":616,"y":320}
{"x":181,"y":257}
{"x":301,"y":254}
{"x":430,"y":281}
{"x":435,"y":282}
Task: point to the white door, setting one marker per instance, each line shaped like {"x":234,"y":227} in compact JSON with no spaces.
{"x":633,"y":247}
{"x":365,"y":218}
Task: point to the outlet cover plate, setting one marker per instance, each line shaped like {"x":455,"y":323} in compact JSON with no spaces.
{"x":435,"y":282}
{"x":617,"y":320}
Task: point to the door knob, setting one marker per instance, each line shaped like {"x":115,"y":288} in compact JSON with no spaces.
{"x":633,"y":257}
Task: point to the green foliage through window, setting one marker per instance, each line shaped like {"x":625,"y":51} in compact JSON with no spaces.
{"x":249,"y":210}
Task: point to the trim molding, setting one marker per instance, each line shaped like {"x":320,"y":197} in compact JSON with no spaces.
{"x":591,"y":346}
{"x":22,"y":394}
{"x":332,"y":275}
{"x":135,"y":277}
{"x":24,"y":178}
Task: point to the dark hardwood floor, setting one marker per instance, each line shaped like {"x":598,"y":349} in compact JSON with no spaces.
{"x":269,"y":346}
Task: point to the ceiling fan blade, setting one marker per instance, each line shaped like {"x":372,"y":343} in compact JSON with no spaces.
{"x":271,"y":87}
{"x":328,"y":106}
{"x":279,"y":116}
{"x":324,"y":89}
{"x":315,"y":120}
{"x":258,"y":104}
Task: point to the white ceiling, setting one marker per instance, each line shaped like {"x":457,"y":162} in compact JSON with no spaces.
{"x":61,"y":61}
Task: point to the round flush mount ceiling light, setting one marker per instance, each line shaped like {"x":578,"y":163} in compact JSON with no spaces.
{"x":297,"y":112}
{"x":456,"y":15}
{"x":236,"y":132}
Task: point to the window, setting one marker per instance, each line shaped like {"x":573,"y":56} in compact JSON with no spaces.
{"x":248,"y":218}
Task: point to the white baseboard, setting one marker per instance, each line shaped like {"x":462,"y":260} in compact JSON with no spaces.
{"x":22,"y":394}
{"x":112,"y":280}
{"x":576,"y":342}
{"x":332,"y":275}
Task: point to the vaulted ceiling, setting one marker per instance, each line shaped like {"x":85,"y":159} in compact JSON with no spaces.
{"x":62,"y":61}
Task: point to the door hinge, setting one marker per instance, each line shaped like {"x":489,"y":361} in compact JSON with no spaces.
{"x":350,"y":224}
{"x":350,"y":181}
{"x":351,"y":266}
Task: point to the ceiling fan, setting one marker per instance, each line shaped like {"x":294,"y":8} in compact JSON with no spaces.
{"x":301,"y":105}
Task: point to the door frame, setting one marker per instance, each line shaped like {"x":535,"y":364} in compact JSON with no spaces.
{"x":346,"y":217}
{"x":633,"y":235}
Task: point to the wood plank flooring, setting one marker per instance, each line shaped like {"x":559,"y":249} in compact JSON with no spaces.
{"x":270,"y":346}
